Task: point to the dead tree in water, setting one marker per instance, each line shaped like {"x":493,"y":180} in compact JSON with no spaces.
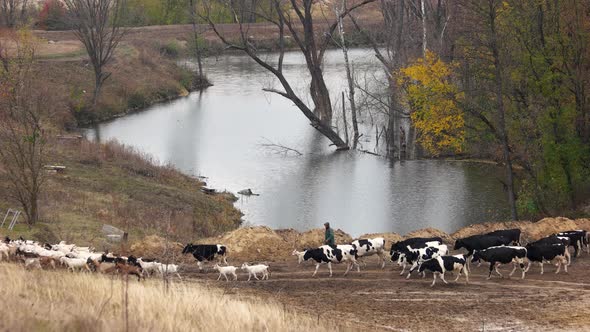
{"x":97,"y":25}
{"x":295,"y":18}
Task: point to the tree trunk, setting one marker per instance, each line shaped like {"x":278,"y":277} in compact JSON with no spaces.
{"x":349,"y":77}
{"x":344,"y":118}
{"x":196,"y":38}
{"x":501,"y":113}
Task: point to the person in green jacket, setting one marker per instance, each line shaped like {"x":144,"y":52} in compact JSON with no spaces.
{"x":329,"y":235}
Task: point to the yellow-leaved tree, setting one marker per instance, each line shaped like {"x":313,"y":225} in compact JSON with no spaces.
{"x":433,"y":100}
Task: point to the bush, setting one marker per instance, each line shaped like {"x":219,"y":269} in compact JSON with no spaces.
{"x":171,"y":50}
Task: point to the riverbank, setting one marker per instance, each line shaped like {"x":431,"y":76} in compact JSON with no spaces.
{"x":115,"y":185}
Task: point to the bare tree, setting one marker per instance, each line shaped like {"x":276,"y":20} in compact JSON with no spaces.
{"x":296,"y":18}
{"x":22,"y":138}
{"x":97,"y":26}
{"x":193,"y":10}
{"x":13,"y":11}
{"x":349,"y":77}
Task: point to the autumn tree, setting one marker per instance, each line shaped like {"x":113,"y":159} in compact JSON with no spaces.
{"x":434,"y":100}
{"x":97,"y":25}
{"x":22,"y":135}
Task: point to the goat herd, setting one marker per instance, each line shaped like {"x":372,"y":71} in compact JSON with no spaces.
{"x":422,"y":254}
{"x":74,"y":258}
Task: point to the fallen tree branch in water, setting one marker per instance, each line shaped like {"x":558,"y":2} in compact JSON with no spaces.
{"x":279,"y":148}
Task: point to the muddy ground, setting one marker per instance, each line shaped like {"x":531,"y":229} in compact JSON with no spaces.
{"x":383,"y":300}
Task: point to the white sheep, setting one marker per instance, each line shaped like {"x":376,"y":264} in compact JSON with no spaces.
{"x":254,"y":269}
{"x":225,"y":270}
{"x":32,"y":263}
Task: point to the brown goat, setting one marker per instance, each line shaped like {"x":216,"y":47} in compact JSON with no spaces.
{"x":125,"y":269}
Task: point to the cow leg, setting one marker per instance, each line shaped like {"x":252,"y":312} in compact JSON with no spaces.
{"x":564,"y":263}
{"x":382,"y":258}
{"x":225,"y":260}
{"x":542,"y":271}
{"x":558,"y":265}
{"x":528,"y":266}
{"x":423,"y":274}
{"x":491,"y":269}
{"x":442,"y":276}
{"x":200,"y":265}
{"x":513,"y":270}
{"x":496,"y":269}
{"x":414,"y":266}
{"x":466,"y":275}
{"x":330,"y":268}
{"x":568,"y":255}
{"x":348,"y":267}
{"x":434,"y":280}
{"x":578,"y":248}
{"x":403,"y":269}
{"x":358,"y":268}
{"x":317,"y":266}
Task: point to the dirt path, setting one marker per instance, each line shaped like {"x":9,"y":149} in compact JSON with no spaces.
{"x":386,"y":301}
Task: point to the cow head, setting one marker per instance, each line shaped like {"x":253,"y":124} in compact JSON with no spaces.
{"x":395,"y":256}
{"x":221,"y":249}
{"x":476,"y":257}
{"x":429,"y":252}
{"x":459,"y":244}
{"x":187,"y":249}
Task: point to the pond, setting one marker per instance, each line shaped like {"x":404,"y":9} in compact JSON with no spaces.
{"x":223,"y":133}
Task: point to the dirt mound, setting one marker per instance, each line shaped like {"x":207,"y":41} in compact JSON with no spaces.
{"x":153,"y":246}
{"x":258,"y":243}
{"x":389,"y":238}
{"x":583,"y":224}
{"x":430,"y":232}
{"x":315,"y":238}
{"x":546,"y":227}
{"x":289,"y":235}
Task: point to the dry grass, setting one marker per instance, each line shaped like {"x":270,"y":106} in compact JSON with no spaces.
{"x":62,"y":301}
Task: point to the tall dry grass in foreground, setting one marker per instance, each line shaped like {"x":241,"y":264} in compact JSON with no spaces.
{"x":59,"y":300}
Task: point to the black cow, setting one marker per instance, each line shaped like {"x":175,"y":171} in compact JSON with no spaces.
{"x":511,"y":234}
{"x":414,"y":242}
{"x":480,"y":242}
{"x":546,"y":253}
{"x":440,"y":265}
{"x":206,"y":252}
{"x":578,"y":239}
{"x":502,"y":255}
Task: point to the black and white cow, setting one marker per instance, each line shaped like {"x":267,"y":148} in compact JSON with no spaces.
{"x":554,"y":239}
{"x":480,"y":242}
{"x":578,"y":239}
{"x":369,"y":247}
{"x":511,"y":234}
{"x":542,"y":253}
{"x":206,"y":252}
{"x":441,"y":264}
{"x":414,"y":242}
{"x":328,"y":255}
{"x":502,"y":255}
{"x":418,"y":256}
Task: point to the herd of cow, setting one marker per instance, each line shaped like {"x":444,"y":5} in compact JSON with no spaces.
{"x":431,"y":254}
{"x":421,"y":254}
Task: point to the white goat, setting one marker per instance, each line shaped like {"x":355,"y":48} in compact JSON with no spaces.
{"x":225,"y":270}
{"x":170,"y":268}
{"x":149,"y":267}
{"x":254,"y":269}
{"x":75,"y":263}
